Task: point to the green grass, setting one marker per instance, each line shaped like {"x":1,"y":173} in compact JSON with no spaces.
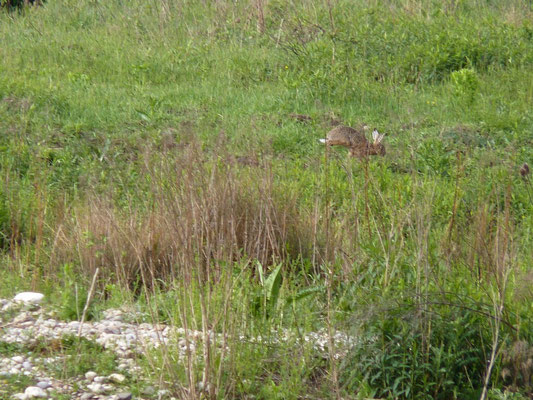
{"x":78,"y":356}
{"x":14,"y":384}
{"x":9,"y":349}
{"x":123,"y":130}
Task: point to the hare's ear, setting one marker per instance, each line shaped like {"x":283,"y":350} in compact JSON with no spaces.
{"x":380,"y":138}
{"x":375,"y":135}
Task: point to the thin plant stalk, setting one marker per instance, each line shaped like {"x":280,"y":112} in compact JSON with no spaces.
{"x":88,"y":301}
{"x":330,"y":280}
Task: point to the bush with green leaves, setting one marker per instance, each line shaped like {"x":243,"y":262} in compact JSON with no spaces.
{"x":465,"y":83}
{"x":419,"y":356}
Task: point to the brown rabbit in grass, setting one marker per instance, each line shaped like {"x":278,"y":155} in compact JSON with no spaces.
{"x":356,"y":141}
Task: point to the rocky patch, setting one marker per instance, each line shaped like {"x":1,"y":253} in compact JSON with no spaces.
{"x":30,"y":338}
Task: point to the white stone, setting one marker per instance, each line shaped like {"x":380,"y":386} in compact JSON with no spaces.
{"x":22,"y":318}
{"x":29,"y":297}
{"x":96,"y":388}
{"x":18,"y":359}
{"x":90,"y":375}
{"x":44,"y":384}
{"x":117,"y":378}
{"x":34,"y":391}
{"x":50,"y":323}
{"x":148,"y":390}
{"x":99,"y":379}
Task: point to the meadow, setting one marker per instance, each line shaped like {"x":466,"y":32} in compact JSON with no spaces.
{"x":171,"y":149}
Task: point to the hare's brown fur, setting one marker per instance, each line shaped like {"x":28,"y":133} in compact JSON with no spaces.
{"x":356,"y":141}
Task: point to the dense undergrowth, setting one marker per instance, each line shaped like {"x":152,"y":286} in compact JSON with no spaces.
{"x":172,"y":147}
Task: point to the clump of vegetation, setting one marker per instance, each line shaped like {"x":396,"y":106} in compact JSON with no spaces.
{"x":9,"y":349}
{"x":466,"y":83}
{"x":77,"y":356}
{"x":14,"y":384}
{"x":418,"y":356}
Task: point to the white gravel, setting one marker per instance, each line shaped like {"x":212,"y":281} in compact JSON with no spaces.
{"x":28,"y":323}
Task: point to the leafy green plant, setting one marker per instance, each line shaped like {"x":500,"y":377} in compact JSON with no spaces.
{"x":465,"y":83}
{"x":270,"y":289}
{"x":497,"y":394}
{"x":73,"y":295}
{"x":397,"y":359}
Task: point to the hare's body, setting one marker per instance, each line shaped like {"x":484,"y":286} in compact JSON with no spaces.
{"x":355,"y":140}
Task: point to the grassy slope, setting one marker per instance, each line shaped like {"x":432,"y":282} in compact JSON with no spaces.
{"x":95,"y":95}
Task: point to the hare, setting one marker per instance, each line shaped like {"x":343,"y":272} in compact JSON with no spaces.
{"x":356,"y":141}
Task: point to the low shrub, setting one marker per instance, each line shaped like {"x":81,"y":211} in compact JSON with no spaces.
{"x":439,"y":355}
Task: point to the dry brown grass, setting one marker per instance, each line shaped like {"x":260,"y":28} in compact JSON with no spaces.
{"x":198,"y":215}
